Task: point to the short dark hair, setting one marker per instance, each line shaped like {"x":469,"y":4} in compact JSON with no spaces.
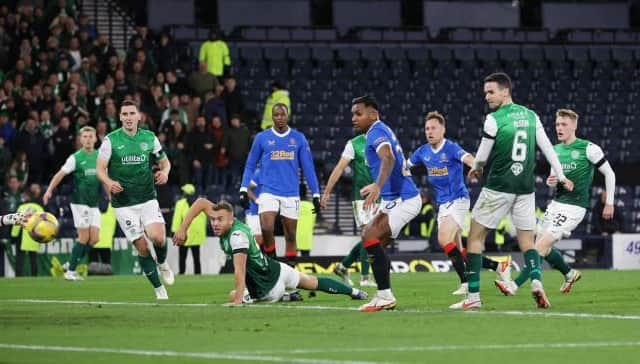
{"x":435,"y":115}
{"x":502,"y":79}
{"x":367,"y":100}
{"x":129,"y":103}
{"x":285,"y":107}
{"x":223,"y":205}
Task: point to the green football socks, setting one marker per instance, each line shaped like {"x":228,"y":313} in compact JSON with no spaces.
{"x":556,"y":261}
{"x":333,"y":287}
{"x":474,"y":265}
{"x":149,"y":269}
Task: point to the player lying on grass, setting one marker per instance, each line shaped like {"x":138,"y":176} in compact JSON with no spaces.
{"x":264,"y":278}
{"x":18,"y":218}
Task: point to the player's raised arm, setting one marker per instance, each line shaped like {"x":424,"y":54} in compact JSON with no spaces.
{"x":68,"y":167}
{"x":597,"y":158}
{"x":308,"y":169}
{"x":201,"y":204}
{"x":542,"y":140}
{"x":249,"y":168}
{"x":252,"y":162}
{"x":333,"y":179}
{"x":387,"y":161}
{"x":239,"y":242}
{"x":489,"y":131}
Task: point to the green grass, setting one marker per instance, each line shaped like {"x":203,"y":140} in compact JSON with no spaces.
{"x":421,"y":330}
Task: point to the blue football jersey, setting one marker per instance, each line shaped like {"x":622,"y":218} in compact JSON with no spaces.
{"x":399,"y":183}
{"x":280,"y":157}
{"x":444,"y":169}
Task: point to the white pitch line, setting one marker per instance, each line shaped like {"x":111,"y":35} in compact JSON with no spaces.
{"x":337,"y":308}
{"x":178,"y":354}
{"x":525,"y":346}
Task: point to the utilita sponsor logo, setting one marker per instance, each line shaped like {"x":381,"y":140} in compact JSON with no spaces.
{"x":133,"y":159}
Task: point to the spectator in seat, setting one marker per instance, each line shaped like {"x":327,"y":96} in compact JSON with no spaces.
{"x":214,"y":55}
{"x":200,"y":152}
{"x":235,"y":146}
{"x":202,"y":81}
{"x":232,"y":97}
{"x":602,"y":226}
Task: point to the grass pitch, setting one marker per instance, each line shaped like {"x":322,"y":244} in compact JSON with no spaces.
{"x":117,"y":320}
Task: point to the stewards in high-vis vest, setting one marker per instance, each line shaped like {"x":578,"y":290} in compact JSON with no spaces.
{"x":24,"y":243}
{"x":422,"y":225}
{"x":304,"y":229}
{"x":197,"y":232}
{"x":278,"y":96}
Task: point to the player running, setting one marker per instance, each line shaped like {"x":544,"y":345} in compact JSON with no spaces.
{"x":444,"y":161}
{"x":281,"y":151}
{"x":353,"y":156}
{"x":400,"y":199}
{"x":84,"y":200}
{"x":579,"y":158}
{"x":510,"y":135}
{"x":127,"y":152}
{"x":265,"y":278}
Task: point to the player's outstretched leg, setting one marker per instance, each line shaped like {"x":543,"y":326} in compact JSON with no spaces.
{"x":342,"y":269}
{"x":149,"y":269}
{"x":330,"y":286}
{"x":457,"y":260}
{"x":78,"y":252}
{"x":384,"y":299}
{"x":571,"y":276}
{"x":365,"y":278}
{"x":156,"y":235}
{"x":502,"y":269}
{"x":532,"y":260}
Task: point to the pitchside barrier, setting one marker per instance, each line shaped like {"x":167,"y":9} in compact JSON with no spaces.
{"x":621,"y":251}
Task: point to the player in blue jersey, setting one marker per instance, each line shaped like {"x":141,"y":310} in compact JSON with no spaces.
{"x":281,"y":151}
{"x":400,"y":199}
{"x":444,"y":161}
{"x":252,"y":217}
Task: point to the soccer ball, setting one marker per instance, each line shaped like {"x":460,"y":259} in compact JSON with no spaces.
{"x":42,"y":227}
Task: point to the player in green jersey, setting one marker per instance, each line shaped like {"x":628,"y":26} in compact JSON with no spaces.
{"x":265,"y":278}
{"x":124,"y":167}
{"x":510,"y":135}
{"x":578,"y":158}
{"x":84,"y":201}
{"x":353,"y":156}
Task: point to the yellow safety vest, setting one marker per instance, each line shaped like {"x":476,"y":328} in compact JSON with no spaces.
{"x":27,"y":244}
{"x":197,"y":231}
{"x":276,"y":97}
{"x":466,"y":225}
{"x":215,"y":55}
{"x":501,"y":230}
{"x":107,"y":229}
{"x":426,"y":227}
{"x":304,"y":229}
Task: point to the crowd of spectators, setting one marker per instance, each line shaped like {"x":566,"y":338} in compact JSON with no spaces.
{"x":58,"y":74}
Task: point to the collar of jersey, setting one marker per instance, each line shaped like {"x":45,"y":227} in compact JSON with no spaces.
{"x":281,"y":134}
{"x":372,"y":125}
{"x":444,"y":141}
